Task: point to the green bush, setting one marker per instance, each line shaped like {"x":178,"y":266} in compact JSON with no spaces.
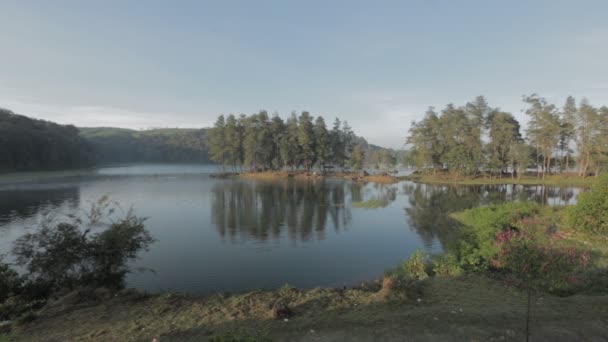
{"x":412,"y":269}
{"x":10,"y":281}
{"x":68,"y":255}
{"x":475,"y":246}
{"x":446,"y":265}
{"x":590,"y":213}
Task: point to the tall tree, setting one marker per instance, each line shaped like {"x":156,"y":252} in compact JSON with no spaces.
{"x":322,"y":142}
{"x":503,"y":133}
{"x":568,"y":129}
{"x":277,"y":131}
{"x":348,"y":140}
{"x":217,"y":141}
{"x":233,"y":138}
{"x":251,"y":142}
{"x":290,"y":148}
{"x":337,"y":144}
{"x":592,"y":138}
{"x":477,"y":113}
{"x":424,"y":137}
{"x":543,"y":129}
{"x":520,"y":156}
{"x":306,"y":140}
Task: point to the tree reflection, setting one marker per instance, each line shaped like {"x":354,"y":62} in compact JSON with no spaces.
{"x":430,"y":205}
{"x":265,"y":210}
{"x":22,"y":203}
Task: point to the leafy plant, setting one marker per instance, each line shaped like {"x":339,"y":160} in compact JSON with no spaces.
{"x":536,"y":265}
{"x":412,"y":269}
{"x":476,"y":246}
{"x":10,"y":281}
{"x":446,"y":265}
{"x":590,"y":213}
{"x":83,"y":252}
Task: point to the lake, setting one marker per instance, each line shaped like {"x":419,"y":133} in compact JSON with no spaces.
{"x":234,"y":235}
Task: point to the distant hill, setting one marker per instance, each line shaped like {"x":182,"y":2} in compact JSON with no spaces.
{"x":30,"y":144}
{"x":172,"y":145}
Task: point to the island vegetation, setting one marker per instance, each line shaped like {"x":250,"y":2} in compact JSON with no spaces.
{"x":466,"y":143}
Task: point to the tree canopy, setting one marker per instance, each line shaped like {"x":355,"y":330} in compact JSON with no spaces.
{"x":477,"y":138}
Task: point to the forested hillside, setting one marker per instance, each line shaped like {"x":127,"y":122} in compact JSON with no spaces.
{"x":29,"y":144}
{"x":119,"y":145}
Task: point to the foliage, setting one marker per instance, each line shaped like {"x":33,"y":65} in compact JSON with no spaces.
{"x":119,"y":145}
{"x":476,"y":245}
{"x":412,"y":269}
{"x":257,"y":142}
{"x":590,"y":213}
{"x":10,"y":281}
{"x":29,"y":144}
{"x":83,"y":252}
{"x":538,"y":264}
{"x":446,"y":265}
{"x":451,"y":140}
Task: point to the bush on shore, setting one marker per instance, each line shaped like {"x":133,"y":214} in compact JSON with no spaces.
{"x":590,"y":213}
{"x":60,"y":257}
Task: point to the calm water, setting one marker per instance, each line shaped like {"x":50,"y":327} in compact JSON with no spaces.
{"x":236,"y":235}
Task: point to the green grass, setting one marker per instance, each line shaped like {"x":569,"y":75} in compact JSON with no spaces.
{"x":370,"y":204}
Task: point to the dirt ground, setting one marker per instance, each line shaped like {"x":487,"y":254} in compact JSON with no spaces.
{"x":470,"y":308}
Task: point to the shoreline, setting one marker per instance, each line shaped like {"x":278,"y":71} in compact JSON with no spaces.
{"x":551,"y":180}
{"x":434,"y":309}
{"x":278,"y":175}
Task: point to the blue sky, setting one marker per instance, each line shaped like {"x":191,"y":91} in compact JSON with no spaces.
{"x":377,"y":64}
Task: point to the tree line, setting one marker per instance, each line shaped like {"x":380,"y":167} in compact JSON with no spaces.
{"x":119,"y":145}
{"x":476,"y":138}
{"x":29,"y":144}
{"x":260,"y":142}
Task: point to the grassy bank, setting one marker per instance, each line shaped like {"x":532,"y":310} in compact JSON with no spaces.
{"x":437,"y":309}
{"x":552,"y":180}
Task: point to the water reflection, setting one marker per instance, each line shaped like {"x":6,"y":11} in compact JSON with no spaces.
{"x":262,"y":210}
{"x":18,"y":204}
{"x":429,"y":206}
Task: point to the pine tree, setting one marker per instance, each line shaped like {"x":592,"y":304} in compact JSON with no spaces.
{"x":217,"y":141}
{"x":348,"y":141}
{"x":337,"y":144}
{"x":322,"y":142}
{"x":234,"y":142}
{"x":544,"y":128}
{"x":277,"y":131}
{"x":306,"y":140}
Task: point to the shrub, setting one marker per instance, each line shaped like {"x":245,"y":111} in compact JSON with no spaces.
{"x":10,"y":281}
{"x":590,"y":213}
{"x":476,"y":245}
{"x":69,"y":254}
{"x":446,"y":265}
{"x":412,"y":269}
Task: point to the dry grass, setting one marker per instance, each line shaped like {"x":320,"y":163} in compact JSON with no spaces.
{"x":438,"y":309}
